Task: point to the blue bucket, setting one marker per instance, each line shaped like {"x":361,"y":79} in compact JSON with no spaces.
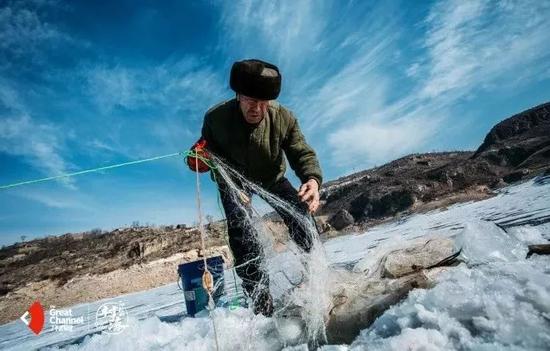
{"x":196,"y":297}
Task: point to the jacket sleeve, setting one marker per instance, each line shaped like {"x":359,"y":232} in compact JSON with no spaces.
{"x":301,"y":156}
{"x":208,"y":135}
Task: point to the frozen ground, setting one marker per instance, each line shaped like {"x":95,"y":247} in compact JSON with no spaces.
{"x":497,"y":301}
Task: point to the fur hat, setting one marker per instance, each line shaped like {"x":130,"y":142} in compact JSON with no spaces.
{"x":256,"y":79}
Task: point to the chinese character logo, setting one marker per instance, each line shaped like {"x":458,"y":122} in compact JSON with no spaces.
{"x":36,"y":323}
{"x":113,"y":316}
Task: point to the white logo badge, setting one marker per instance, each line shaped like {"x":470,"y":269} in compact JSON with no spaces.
{"x":112,"y":315}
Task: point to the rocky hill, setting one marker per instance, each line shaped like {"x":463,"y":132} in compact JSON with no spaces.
{"x":82,"y":267}
{"x":514,"y":149}
{"x":519,"y":144}
{"x":74,"y":268}
{"x":60,"y":258}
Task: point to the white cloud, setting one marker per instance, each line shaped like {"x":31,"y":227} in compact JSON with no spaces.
{"x":412,"y":70}
{"x":110,"y":87}
{"x":106,"y":146}
{"x":56,"y":200}
{"x":357,"y":89}
{"x":10,"y":99}
{"x":38,"y":143}
{"x":101,"y":145}
{"x":178,"y":92}
{"x":185,"y":85}
{"x":370,"y":143}
{"x":284,"y":31}
{"x":25,"y":35}
{"x":24,"y":31}
{"x":473,"y":43}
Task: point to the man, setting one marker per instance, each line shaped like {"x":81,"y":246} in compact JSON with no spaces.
{"x":254,"y":133}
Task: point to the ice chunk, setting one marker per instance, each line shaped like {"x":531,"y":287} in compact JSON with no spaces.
{"x":484,"y":242}
{"x":527,"y":234}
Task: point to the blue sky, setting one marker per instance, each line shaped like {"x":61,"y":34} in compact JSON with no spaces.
{"x":86,"y":84}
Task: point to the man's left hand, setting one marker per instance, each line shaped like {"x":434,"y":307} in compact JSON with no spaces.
{"x":309,"y":193}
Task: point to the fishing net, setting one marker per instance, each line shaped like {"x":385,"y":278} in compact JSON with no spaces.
{"x":300,"y":281}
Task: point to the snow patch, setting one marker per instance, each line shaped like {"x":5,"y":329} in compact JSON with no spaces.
{"x":496,"y":306}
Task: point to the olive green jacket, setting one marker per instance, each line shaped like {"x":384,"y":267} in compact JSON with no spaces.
{"x":258,"y":151}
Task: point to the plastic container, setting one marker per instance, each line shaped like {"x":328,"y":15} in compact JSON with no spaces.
{"x":196,"y":297}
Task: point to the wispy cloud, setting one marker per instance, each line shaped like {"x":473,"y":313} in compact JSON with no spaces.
{"x":358,"y":89}
{"x":26,"y":35}
{"x":101,"y":145}
{"x":183,"y":85}
{"x":371,"y":143}
{"x":346,"y":81}
{"x":179,"y":92}
{"x":283,"y":31}
{"x":24,"y":31}
{"x":40,"y":144}
{"x":472,"y":44}
{"x":470,"y":47}
{"x":55,"y":200}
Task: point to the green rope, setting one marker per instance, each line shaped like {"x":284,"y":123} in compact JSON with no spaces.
{"x":208,"y":161}
{"x":67,"y":175}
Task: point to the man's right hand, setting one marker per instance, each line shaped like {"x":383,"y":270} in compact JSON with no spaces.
{"x":309,"y":193}
{"x":197,"y":163}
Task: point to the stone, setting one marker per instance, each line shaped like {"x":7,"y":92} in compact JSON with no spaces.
{"x":515,"y":176}
{"x":341,"y":220}
{"x":405,"y":261}
{"x":359,"y":307}
{"x":137,"y":250}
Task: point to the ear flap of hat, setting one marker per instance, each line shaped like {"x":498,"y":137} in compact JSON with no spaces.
{"x":256,"y":79}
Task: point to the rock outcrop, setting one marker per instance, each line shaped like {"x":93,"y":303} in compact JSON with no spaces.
{"x":341,"y":220}
{"x":512,"y":141}
{"x":515,"y":149}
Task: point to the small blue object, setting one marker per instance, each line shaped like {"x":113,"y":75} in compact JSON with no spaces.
{"x":196,"y":297}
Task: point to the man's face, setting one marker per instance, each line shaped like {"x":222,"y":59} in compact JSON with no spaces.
{"x":253,"y":110}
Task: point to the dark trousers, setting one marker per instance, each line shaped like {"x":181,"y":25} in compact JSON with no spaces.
{"x":242,"y":236}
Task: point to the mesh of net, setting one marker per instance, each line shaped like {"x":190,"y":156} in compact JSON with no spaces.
{"x":302,"y":280}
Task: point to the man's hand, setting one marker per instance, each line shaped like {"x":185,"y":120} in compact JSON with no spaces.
{"x":197,"y":163}
{"x":309,"y":193}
